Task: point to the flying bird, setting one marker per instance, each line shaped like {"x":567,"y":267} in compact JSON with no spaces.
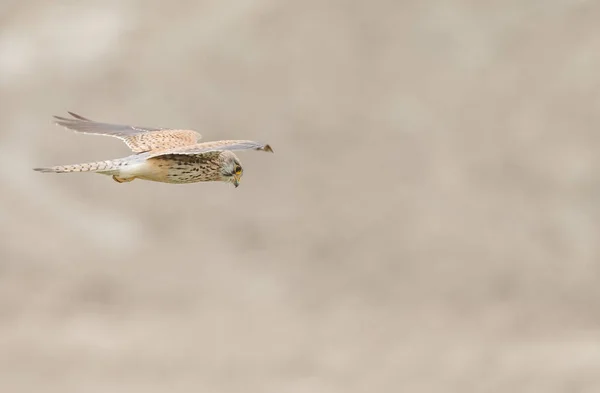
{"x":161,"y":154}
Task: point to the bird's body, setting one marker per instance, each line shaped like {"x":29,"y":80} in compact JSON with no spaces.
{"x":178,"y":168}
{"x":162,"y":155}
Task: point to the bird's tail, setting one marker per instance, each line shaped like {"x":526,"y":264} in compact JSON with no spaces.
{"x":99,"y":166}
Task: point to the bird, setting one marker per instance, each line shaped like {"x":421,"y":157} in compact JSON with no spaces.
{"x":164,"y":155}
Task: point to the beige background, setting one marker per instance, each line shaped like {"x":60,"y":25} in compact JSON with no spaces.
{"x":429,"y":221}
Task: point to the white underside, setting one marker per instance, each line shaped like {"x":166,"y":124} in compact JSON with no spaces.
{"x":137,"y":169}
{"x":140,"y":170}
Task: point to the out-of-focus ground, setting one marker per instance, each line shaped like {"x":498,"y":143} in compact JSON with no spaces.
{"x":429,"y":221}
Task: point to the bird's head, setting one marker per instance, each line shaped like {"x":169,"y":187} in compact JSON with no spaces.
{"x":231,"y":169}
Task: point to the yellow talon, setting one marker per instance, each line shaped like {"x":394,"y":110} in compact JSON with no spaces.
{"x":122,"y":179}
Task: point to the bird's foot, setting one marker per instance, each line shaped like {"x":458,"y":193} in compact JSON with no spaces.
{"x":122,"y":179}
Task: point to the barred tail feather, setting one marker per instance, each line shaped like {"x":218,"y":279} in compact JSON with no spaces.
{"x":46,"y":170}
{"x":99,"y":166}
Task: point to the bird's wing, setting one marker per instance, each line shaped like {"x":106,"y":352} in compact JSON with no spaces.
{"x":206,"y":147}
{"x":139,"y":139}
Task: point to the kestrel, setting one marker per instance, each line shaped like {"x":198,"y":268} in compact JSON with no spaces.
{"x":161,"y":154}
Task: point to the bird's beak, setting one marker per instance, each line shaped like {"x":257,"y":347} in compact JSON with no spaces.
{"x":236,"y":181}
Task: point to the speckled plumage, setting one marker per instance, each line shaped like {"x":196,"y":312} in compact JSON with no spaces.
{"x":162,"y":154}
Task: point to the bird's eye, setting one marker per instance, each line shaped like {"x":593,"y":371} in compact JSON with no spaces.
{"x":238,"y":169}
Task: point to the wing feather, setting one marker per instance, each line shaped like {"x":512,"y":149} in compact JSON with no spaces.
{"x":139,"y":139}
{"x":206,"y":147}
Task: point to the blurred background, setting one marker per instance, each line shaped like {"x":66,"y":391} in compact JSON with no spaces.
{"x":429,"y":221}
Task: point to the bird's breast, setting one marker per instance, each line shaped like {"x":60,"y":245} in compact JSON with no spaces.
{"x":179,"y":169}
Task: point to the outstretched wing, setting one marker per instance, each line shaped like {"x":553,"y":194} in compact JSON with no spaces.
{"x":206,"y":147}
{"x":139,"y":139}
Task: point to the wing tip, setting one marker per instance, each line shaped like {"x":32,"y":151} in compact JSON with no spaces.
{"x":75,"y":118}
{"x":78,"y":117}
{"x":267,"y":148}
